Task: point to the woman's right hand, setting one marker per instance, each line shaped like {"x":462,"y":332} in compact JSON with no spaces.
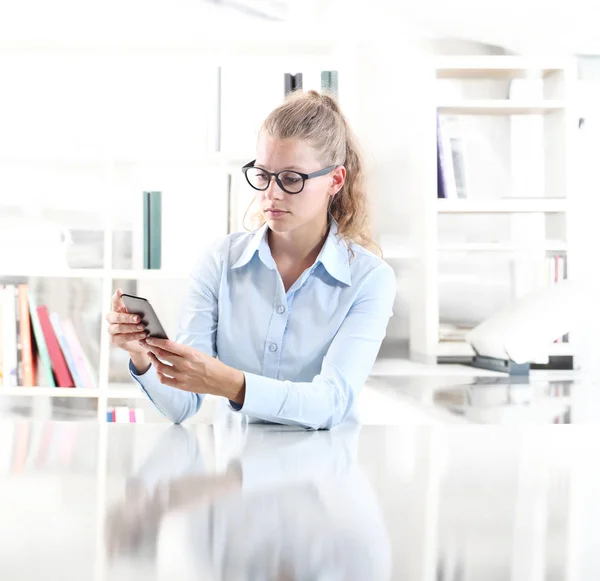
{"x":125,"y":330}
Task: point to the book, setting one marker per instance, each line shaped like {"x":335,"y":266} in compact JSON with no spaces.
{"x":45,"y":367}
{"x":329,"y":81}
{"x":9,"y":336}
{"x":1,"y":337}
{"x":146,"y":228}
{"x":28,"y":376}
{"x":441,"y":181}
{"x":59,"y":363}
{"x":152,"y":230}
{"x":18,"y":335}
{"x":288,"y":84}
{"x":122,"y":414}
{"x":446,"y":164}
{"x":80,"y":360}
{"x":62,"y":341}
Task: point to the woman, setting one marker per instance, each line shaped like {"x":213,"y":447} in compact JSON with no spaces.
{"x":296,"y":310}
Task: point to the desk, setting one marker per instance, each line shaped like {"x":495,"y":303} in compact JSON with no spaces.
{"x":228,"y":500}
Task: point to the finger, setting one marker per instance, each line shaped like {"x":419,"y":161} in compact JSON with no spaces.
{"x":124,"y":329}
{"x":164,"y":355}
{"x":162,"y":368}
{"x":167,"y":345}
{"x":171,"y":382}
{"x":123,"y":338}
{"x":117,"y":303}
{"x":115,"y":317}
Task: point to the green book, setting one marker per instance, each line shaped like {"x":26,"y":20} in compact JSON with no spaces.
{"x":155,"y":229}
{"x":329,"y":81}
{"x":152,"y":230}
{"x":46,"y":365}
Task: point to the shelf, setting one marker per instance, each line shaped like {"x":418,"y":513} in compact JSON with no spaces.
{"x":147,"y":274}
{"x":208,"y":159}
{"x":463,"y":349}
{"x":124,"y":391}
{"x":127,"y":274}
{"x":495,"y":67}
{"x":50,"y":391}
{"x":454,"y":349}
{"x":115,"y":391}
{"x":503,"y":206}
{"x":499,"y":107}
{"x":497,"y":247}
{"x":59,"y":273}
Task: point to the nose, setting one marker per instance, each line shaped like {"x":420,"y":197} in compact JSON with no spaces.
{"x":274,"y":191}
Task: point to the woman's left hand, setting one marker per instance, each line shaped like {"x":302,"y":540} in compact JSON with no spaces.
{"x":188,"y":369}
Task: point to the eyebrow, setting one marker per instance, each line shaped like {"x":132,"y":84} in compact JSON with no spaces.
{"x":289,"y":167}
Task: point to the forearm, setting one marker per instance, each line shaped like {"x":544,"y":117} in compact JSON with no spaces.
{"x":141,"y":363}
{"x":225,"y":381}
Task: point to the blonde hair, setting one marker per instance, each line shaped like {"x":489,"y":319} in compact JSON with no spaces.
{"x":317,"y":118}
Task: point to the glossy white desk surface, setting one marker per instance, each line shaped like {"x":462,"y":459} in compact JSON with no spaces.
{"x":228,"y":501}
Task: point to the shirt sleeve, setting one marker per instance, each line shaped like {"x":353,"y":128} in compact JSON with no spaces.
{"x":197,"y":327}
{"x":326,"y":401}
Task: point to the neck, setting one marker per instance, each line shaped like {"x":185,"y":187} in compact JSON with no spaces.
{"x":300,"y":245}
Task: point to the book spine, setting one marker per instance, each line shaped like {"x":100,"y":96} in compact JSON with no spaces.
{"x":42,"y":348}
{"x":155,"y":230}
{"x":27,"y":344}
{"x":288,"y":84}
{"x":55,"y":321}
{"x":18,"y":336}
{"x":59,"y":364}
{"x":10,"y":336}
{"x":146,"y":228}
{"x":1,"y":336}
{"x":132,"y":416}
{"x":79,"y":358}
{"x":122,"y":415}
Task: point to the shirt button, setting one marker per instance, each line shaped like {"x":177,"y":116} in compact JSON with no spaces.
{"x":281,"y":309}
{"x":272,"y":347}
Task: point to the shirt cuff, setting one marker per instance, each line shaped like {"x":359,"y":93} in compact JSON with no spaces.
{"x":264,"y":397}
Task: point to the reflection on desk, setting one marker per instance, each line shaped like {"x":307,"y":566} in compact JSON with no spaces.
{"x":291,"y":506}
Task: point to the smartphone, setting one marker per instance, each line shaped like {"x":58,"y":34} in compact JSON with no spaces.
{"x":142,"y":307}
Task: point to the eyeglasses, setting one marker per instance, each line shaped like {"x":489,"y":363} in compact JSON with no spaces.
{"x":289,"y":181}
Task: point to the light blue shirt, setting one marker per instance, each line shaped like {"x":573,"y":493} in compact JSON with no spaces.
{"x":305,"y":353}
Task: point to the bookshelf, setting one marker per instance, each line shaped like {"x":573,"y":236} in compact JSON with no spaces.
{"x":515,"y":226}
{"x":128,"y":164}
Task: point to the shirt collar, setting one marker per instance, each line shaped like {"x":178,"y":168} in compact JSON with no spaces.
{"x":258,"y":243}
{"x":334,"y":255}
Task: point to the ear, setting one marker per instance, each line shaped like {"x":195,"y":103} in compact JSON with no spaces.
{"x":338,"y":178}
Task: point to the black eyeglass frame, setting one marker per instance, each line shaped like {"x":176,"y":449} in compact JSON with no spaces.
{"x":304,"y":176}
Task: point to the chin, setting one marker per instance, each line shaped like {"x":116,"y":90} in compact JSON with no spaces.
{"x":280,"y":223}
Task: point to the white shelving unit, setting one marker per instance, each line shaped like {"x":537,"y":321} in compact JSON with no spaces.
{"x":555,"y":107}
{"x":235,"y":58}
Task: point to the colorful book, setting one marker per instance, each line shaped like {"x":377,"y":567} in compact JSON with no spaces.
{"x":45,"y":368}
{"x":62,"y":341}
{"x":9,"y":336}
{"x":59,"y":363}
{"x":82,"y":366}
{"x":26,"y":342}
